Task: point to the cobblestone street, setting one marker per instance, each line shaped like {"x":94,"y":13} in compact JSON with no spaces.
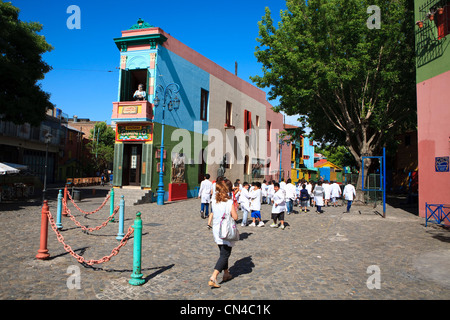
{"x":318,"y":256}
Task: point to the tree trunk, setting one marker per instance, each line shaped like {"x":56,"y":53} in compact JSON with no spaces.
{"x":359,"y":148}
{"x":359,"y":186}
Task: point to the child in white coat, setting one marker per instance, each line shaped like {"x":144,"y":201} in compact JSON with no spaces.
{"x":279,"y":206}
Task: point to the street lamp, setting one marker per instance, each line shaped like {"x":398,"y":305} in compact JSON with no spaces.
{"x":169,"y":99}
{"x":48,"y":138}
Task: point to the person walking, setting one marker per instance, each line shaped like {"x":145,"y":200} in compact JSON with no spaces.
{"x":335,"y":193}
{"x":304,"y":198}
{"x":255,"y":205}
{"x":222,"y":205}
{"x":349,"y":194}
{"x":270,"y":191}
{"x":282,"y":184}
{"x":309,"y":188}
{"x":319,"y":193}
{"x":205,"y":194}
{"x":290,"y":195}
{"x":264,"y":192}
{"x":327,"y":192}
{"x":245,"y":203}
{"x":279,"y":206}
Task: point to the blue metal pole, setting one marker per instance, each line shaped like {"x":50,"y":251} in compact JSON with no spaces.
{"x":173,"y":103}
{"x":136,"y":276}
{"x":160,"y":192}
{"x":121,"y":218}
{"x":59,"y":210}
{"x":384,"y":182}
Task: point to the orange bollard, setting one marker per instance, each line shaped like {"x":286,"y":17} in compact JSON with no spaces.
{"x":43,"y":252}
{"x":64,"y":212}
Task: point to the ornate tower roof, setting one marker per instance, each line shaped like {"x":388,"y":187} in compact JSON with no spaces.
{"x":141,"y":24}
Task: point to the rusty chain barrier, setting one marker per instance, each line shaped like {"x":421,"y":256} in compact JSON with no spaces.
{"x":84,"y":228}
{"x":81,"y":210}
{"x":81,"y":259}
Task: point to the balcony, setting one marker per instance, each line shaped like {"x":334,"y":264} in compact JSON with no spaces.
{"x":130,"y":111}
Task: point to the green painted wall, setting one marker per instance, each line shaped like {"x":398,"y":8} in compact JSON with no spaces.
{"x":118,"y":162}
{"x":191,"y":170}
{"x":432,"y":55}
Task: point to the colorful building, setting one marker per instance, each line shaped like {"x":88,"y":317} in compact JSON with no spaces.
{"x":302,"y":156}
{"x":216,"y":122}
{"x":433,"y":96}
{"x":328,"y":171}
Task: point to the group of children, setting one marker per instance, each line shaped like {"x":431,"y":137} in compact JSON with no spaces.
{"x":282,"y":196}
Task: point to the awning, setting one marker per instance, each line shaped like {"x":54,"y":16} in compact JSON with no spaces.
{"x":4,"y":169}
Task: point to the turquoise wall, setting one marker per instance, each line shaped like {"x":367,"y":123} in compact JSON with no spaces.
{"x":172,"y":68}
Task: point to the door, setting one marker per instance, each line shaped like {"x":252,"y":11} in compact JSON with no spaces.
{"x":132,"y":164}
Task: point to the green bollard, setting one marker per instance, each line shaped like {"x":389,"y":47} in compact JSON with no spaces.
{"x":136,"y":276}
{"x":111,"y":206}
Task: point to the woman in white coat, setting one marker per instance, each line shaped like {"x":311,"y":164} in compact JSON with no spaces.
{"x":205,"y":194}
{"x":349,"y":194}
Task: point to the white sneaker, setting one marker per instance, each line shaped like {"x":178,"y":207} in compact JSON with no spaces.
{"x":282,"y":227}
{"x":252,"y":224}
{"x":261,"y":224}
{"x":274,"y":225}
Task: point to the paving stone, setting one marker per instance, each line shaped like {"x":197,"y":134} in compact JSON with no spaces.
{"x":318,"y":256}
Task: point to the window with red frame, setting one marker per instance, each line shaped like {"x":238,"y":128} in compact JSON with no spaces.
{"x":247,"y":120}
{"x":442,"y":21}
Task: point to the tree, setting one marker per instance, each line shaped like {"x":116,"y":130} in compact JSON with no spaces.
{"x":101,"y":145}
{"x":339,"y":155}
{"x":21,"y":67}
{"x":351,"y":85}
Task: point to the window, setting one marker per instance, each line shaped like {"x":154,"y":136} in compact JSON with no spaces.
{"x":247,"y":120}
{"x":129,"y":81}
{"x":257,"y":121}
{"x":442,"y":20}
{"x":204,"y":105}
{"x":269,"y":127}
{"x":228,"y":110}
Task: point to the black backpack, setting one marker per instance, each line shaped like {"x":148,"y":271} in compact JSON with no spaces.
{"x":304,"y":195}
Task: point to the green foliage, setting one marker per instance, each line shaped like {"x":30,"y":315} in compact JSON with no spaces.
{"x":21,"y":66}
{"x":351,"y":85}
{"x":339,"y":155}
{"x":101,"y":145}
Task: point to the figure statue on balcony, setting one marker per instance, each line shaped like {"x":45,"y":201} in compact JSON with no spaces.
{"x":140,"y":94}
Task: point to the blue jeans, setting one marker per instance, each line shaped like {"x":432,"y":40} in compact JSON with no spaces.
{"x":289,"y":205}
{"x":202,"y":208}
{"x":349,"y":204}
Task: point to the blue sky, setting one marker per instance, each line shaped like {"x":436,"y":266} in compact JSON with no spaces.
{"x":84,"y":79}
